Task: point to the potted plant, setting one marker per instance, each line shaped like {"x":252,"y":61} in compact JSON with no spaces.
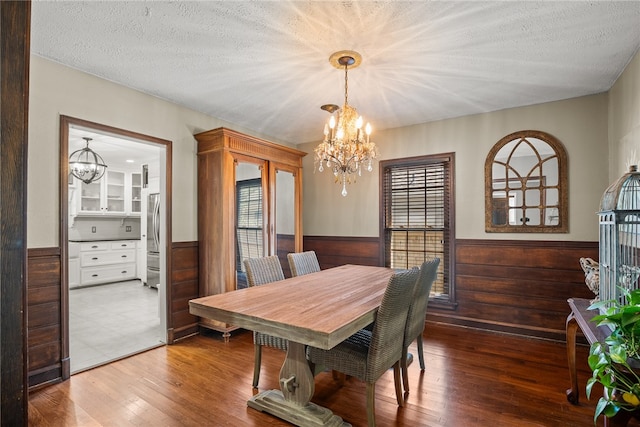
{"x":616,"y":363}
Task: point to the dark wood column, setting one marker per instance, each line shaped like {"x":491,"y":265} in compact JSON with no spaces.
{"x":15,"y":18}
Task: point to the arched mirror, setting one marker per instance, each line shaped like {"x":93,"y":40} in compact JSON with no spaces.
{"x":526,"y":184}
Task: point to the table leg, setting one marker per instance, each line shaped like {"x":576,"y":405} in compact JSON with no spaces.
{"x":292,"y":402}
{"x":573,"y":394}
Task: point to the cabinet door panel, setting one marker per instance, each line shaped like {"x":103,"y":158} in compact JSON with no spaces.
{"x":249,"y":213}
{"x":286,"y":234}
{"x":91,"y":197}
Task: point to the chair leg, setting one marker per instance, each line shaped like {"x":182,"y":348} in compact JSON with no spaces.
{"x":396,"y":380}
{"x":256,"y":366}
{"x":371,"y":407}
{"x":420,"y":352}
{"x":405,"y":372}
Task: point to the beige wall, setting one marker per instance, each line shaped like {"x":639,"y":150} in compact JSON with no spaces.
{"x":624,"y":120}
{"x":584,"y":125}
{"x":580,"y":124}
{"x":58,"y":90}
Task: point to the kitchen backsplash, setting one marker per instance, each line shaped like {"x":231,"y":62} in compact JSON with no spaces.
{"x":96,"y":228}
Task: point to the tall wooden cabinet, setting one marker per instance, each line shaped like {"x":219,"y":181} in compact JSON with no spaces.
{"x":249,"y":204}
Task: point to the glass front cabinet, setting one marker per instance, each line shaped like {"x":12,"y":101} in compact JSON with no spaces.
{"x":249,"y":205}
{"x":116,"y":193}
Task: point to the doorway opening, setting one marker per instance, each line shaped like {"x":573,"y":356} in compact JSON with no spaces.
{"x":114,"y":246}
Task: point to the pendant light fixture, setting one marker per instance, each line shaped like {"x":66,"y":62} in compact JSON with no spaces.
{"x":86,"y":165}
{"x":346,"y":147}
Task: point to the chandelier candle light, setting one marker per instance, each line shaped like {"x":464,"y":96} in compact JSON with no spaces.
{"x":346,"y":147}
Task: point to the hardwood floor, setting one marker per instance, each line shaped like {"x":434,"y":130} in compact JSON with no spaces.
{"x":473,"y":378}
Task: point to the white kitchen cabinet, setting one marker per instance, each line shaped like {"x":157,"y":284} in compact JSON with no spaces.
{"x":74,"y":265}
{"x":74,"y":273}
{"x":135,"y":199}
{"x":116,"y":193}
{"x":107,"y":261}
{"x":103,"y":196}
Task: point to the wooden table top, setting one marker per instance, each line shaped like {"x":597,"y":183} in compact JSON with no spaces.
{"x":320,"y":309}
{"x":583,"y":316}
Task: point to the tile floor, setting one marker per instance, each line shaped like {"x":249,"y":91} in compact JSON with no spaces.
{"x":111,"y":321}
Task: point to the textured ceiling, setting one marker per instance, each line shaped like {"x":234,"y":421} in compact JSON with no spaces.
{"x":264,"y":65}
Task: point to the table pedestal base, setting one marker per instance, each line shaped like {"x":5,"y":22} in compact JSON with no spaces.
{"x":272,"y":401}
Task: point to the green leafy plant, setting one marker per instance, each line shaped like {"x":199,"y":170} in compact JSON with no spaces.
{"x":613,"y":362}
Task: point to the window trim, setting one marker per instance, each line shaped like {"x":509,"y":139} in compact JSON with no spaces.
{"x":449,"y":159}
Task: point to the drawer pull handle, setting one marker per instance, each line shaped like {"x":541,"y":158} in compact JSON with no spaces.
{"x":124,"y":272}
{"x":94,"y":275}
{"x":94,"y":258}
{"x":94,"y":247}
{"x":123,"y":256}
{"x":124,"y":245}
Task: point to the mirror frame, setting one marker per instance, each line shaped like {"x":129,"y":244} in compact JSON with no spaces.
{"x":562,"y":185}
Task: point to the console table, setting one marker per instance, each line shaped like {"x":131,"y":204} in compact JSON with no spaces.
{"x":581,"y":317}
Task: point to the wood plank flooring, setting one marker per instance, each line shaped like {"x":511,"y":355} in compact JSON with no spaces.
{"x":473,"y":378}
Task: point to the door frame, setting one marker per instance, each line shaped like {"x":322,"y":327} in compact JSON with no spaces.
{"x":65,"y":123}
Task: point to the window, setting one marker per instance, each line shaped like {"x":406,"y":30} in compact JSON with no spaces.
{"x":417,"y":221}
{"x":248,"y":221}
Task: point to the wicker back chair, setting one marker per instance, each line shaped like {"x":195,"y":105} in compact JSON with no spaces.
{"x":303,"y":263}
{"x":417,"y":314}
{"x":366,"y":355}
{"x":259,"y":272}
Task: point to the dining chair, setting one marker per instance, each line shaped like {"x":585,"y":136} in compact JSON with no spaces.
{"x":259,"y":272}
{"x":366,"y":355}
{"x":303,"y":263}
{"x":417,"y":314}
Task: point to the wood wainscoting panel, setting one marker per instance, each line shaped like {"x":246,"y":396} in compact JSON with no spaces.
{"x":286,"y":243}
{"x":44,"y":316}
{"x":333,"y":251}
{"x":517,"y":286}
{"x":520,"y":287}
{"x":44,"y":305}
{"x":184,"y":286}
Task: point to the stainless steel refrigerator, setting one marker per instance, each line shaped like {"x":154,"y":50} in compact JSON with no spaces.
{"x":153,"y":240}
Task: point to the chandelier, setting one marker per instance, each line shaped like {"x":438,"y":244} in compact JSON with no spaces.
{"x":346,"y":147}
{"x":86,"y":165}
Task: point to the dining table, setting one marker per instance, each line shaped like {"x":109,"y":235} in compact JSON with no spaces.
{"x":320,"y":309}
